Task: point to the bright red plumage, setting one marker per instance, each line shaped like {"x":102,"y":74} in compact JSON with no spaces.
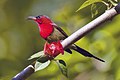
{"x":45,"y":30}
{"x":44,"y":25}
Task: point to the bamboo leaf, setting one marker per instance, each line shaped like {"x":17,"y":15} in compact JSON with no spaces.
{"x":36,"y":55}
{"x":40,"y":66}
{"x":62,"y":66}
{"x":87,"y":3}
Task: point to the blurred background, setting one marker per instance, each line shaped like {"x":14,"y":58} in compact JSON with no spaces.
{"x":19,"y":39}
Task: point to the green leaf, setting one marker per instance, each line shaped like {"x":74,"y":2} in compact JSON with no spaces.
{"x":62,"y":66}
{"x":87,"y":3}
{"x":94,"y":10}
{"x":43,"y":58}
{"x":40,"y":66}
{"x":36,"y":55}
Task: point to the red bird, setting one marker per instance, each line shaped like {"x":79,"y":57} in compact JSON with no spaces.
{"x":51,"y":33}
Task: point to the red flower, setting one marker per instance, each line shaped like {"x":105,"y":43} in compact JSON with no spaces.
{"x":53,"y":49}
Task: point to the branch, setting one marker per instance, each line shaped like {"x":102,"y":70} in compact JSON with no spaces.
{"x":25,"y":73}
{"x":108,"y":15}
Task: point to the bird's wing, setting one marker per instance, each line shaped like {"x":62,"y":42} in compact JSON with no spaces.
{"x":60,"y":30}
{"x":65,"y":36}
{"x":84,"y":52}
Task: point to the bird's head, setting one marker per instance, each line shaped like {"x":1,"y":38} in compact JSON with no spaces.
{"x":45,"y":25}
{"x":41,"y":19}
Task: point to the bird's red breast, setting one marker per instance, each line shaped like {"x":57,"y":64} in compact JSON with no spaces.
{"x":45,"y":30}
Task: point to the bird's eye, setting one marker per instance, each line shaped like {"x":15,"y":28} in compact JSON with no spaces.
{"x":38,"y":17}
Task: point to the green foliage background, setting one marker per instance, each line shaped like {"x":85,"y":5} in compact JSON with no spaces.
{"x":19,"y":39}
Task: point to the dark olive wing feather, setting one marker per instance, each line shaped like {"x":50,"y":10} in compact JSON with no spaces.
{"x":61,"y":31}
{"x":65,"y":36}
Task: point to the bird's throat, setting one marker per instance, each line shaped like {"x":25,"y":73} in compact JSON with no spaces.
{"x":45,"y":30}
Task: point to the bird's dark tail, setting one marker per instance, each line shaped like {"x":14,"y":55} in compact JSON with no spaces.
{"x":68,"y":50}
{"x":85,"y":53}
